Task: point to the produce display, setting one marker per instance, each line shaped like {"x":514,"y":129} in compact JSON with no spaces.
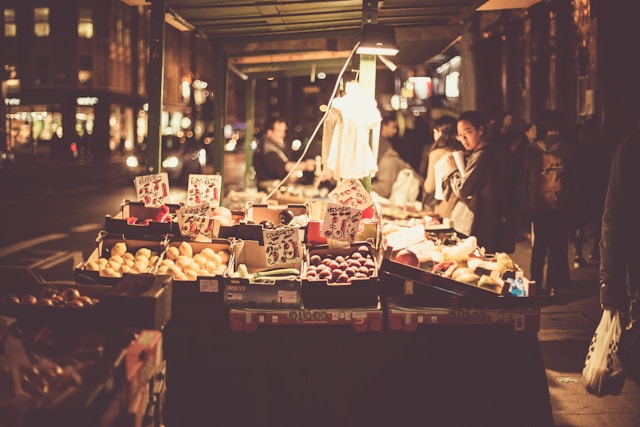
{"x":341,"y":269}
{"x":143,"y":260}
{"x":54,"y":297}
{"x":183,"y":263}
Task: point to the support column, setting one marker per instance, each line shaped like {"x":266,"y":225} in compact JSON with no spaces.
{"x":250,"y":101}
{"x":155,"y":87}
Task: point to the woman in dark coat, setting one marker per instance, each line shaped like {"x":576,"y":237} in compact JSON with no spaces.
{"x":479,"y":210}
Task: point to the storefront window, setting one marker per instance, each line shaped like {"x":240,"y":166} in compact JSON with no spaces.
{"x":85,"y":23}
{"x":10,"y":29}
{"x":85,"y":66}
{"x":41,"y":25}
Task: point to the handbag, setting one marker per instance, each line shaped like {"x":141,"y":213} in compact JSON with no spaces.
{"x":602,"y":373}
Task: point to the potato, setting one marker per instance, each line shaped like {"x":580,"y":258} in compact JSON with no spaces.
{"x":92,"y":266}
{"x":186,"y":249}
{"x":163,"y":269}
{"x":145,"y":252}
{"x":124,"y":268}
{"x":117,"y":259}
{"x":142,"y":259}
{"x":102,"y":262}
{"x":224,"y":256}
{"x":208,"y":252}
{"x":172,"y":252}
{"x":200,"y":259}
{"x":167,"y":262}
{"x":141,"y":267}
{"x":120,"y":248}
{"x":153,"y":259}
{"x":128,"y":256}
{"x":191,"y":274}
{"x":183,"y":261}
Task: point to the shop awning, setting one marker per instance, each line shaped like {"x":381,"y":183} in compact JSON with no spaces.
{"x":291,"y":37}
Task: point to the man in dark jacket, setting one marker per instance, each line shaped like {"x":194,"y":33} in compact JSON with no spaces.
{"x":620,"y":240}
{"x":270,"y":159}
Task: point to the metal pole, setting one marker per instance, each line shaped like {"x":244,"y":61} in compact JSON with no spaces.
{"x":220,"y":110}
{"x":250,"y":101}
{"x":155,"y":87}
{"x":367,"y":80}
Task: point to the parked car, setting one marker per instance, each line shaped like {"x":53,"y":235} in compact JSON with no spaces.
{"x":180,"y":158}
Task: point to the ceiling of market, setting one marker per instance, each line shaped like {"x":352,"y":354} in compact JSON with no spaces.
{"x":277,"y":38}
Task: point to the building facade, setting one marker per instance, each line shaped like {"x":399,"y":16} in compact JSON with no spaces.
{"x":80,"y":67}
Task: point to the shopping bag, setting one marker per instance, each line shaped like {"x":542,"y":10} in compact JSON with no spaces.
{"x":602,"y":373}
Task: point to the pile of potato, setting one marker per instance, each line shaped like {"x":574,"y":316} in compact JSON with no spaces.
{"x":183,"y":264}
{"x":121,"y":261}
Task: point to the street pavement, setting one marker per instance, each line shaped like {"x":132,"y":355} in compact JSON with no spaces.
{"x":567,"y":324}
{"x":566,"y":327}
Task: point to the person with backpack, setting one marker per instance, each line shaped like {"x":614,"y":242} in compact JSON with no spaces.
{"x":548,"y":163}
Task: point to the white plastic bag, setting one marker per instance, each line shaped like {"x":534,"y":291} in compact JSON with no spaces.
{"x":602,"y":373}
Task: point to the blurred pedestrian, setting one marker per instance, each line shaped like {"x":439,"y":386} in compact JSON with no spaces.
{"x":390,"y":164}
{"x":479,"y":186}
{"x":270,"y":159}
{"x":619,"y":248}
{"x":517,"y":208}
{"x":444,"y":135}
{"x":590,"y":186}
{"x":548,"y":163}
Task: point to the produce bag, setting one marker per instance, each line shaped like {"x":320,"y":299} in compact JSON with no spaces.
{"x":602,"y":373}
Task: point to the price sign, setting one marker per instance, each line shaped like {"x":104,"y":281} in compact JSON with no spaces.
{"x":351,"y":192}
{"x":341,"y":222}
{"x":152,"y":190}
{"x":197,"y":220}
{"x":204,"y":189}
{"x":282,"y":246}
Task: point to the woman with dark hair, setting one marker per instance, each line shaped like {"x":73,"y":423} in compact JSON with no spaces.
{"x":444,"y":136}
{"x":479,"y":186}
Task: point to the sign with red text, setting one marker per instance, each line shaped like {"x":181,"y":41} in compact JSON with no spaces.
{"x":351,"y":192}
{"x":197,"y":220}
{"x":204,"y":189}
{"x":282,"y":245}
{"x":152,"y":190}
{"x":341,"y":222}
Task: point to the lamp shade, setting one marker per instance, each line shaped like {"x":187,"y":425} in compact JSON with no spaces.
{"x":377,"y":39}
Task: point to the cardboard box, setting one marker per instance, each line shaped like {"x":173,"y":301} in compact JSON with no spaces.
{"x":105,"y":244}
{"x":251,"y":229}
{"x":201,"y":301}
{"x":118,"y":224}
{"x":323,"y":293}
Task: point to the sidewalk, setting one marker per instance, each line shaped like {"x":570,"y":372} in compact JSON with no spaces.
{"x":567,"y":325}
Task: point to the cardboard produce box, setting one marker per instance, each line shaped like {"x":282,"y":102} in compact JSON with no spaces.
{"x":117,"y":256}
{"x":199,"y":299}
{"x":340,"y":277}
{"x":137,"y":300}
{"x":251,"y":229}
{"x":135,"y":220}
{"x":267,"y":291}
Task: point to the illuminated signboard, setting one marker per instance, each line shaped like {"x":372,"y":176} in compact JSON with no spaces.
{"x":87,"y":100}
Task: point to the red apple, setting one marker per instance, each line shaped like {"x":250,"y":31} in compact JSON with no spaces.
{"x":405,"y":256}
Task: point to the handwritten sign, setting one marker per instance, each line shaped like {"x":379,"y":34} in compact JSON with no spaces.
{"x":204,"y":189}
{"x":351,"y":192}
{"x":197,"y":220}
{"x":341,"y":222}
{"x":152,"y":190}
{"x":282,"y":245}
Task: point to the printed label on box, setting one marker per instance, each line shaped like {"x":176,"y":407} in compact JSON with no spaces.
{"x":204,"y":189}
{"x":282,"y":246}
{"x":209,"y":285}
{"x":341,"y":222}
{"x":287,"y":297}
{"x":152,"y":190}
